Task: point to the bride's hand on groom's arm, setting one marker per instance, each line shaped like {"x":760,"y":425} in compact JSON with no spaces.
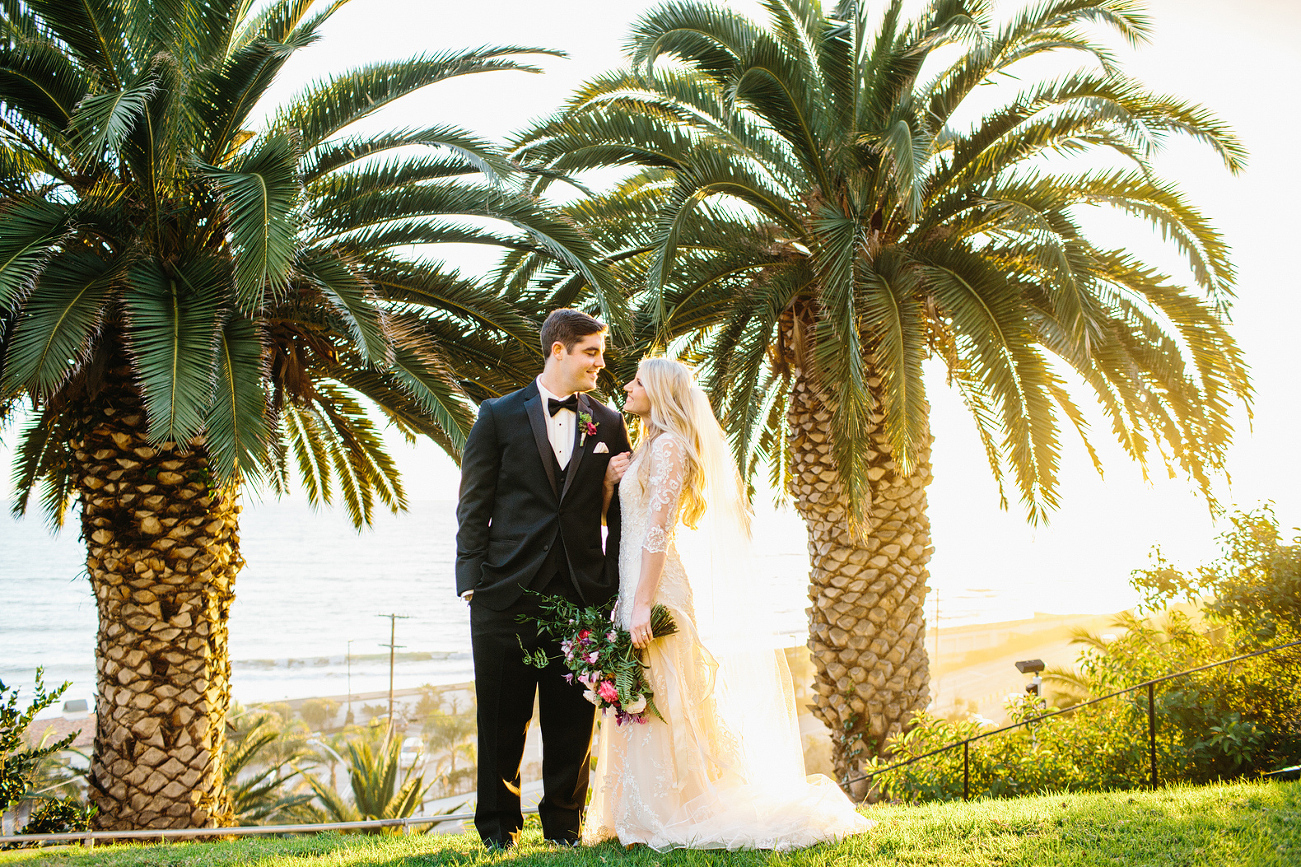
{"x":614,"y":471}
{"x":616,"y":468}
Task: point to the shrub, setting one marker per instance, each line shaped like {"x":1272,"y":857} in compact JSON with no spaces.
{"x":1224,"y":723}
{"x":21,"y":766}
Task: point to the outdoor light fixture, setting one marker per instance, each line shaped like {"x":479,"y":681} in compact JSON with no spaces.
{"x":1032,"y":666}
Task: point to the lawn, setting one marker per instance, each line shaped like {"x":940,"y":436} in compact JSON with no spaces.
{"x":1253,"y":824}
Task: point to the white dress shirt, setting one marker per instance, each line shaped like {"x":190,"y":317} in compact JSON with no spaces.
{"x":560,"y":427}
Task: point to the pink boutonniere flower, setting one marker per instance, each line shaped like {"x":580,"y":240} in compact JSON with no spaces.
{"x":587,"y":427}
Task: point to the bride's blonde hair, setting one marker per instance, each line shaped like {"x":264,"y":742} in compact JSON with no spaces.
{"x":680,"y":407}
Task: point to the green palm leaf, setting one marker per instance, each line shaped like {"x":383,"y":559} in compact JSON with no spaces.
{"x":102,"y":122}
{"x":40,"y":80}
{"x":262,"y":192}
{"x":29,"y":230}
{"x":330,"y":106}
{"x":94,"y":30}
{"x":60,"y":315}
{"x":236,"y":423}
{"x":174,"y":336}
{"x":347,"y":288}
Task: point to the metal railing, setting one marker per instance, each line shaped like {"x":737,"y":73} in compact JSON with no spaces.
{"x":88,"y":838}
{"x":1150,"y":685}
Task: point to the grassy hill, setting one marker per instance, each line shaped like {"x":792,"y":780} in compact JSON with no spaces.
{"x":1250,"y":824}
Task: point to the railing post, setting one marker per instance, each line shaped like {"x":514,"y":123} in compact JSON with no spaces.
{"x":1151,"y":729}
{"x":966,"y":770}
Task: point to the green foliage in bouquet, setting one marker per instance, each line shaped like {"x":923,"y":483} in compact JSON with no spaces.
{"x":600,"y":655}
{"x":1226,"y":723}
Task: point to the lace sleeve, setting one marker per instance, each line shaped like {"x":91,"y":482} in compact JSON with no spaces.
{"x":668,"y":464}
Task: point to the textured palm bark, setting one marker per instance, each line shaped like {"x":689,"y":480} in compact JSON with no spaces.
{"x":162,"y":554}
{"x":866,"y":626}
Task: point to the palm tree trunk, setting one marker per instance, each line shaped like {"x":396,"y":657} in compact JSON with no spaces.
{"x":866,"y":626}
{"x":162,"y":554}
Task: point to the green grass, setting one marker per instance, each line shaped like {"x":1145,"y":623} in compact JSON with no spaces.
{"x":1255,"y":824}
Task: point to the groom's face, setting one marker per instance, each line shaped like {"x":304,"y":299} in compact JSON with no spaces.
{"x":579,"y":367}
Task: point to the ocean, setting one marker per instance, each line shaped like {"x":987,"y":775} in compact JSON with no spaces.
{"x":309,"y":618}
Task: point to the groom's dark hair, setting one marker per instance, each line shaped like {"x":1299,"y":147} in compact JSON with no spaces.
{"x":568,"y":327}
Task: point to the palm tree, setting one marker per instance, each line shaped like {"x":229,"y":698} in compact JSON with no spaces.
{"x":815,"y":205}
{"x":192,"y":300}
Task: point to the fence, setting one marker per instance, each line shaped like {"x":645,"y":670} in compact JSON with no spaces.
{"x":1150,"y":685}
{"x":88,"y":838}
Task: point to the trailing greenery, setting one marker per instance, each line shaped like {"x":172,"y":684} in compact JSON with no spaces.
{"x":1228,"y":722}
{"x":1243,"y":824}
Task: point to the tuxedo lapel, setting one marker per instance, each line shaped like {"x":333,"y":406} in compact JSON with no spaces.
{"x":576,"y":456}
{"x":538,"y":421}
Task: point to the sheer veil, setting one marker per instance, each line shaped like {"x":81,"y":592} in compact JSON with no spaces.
{"x":752,"y":685}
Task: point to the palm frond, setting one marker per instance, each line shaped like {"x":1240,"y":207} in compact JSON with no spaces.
{"x":330,"y":106}
{"x":261,"y":193}
{"x":174,"y":319}
{"x":236,"y":424}
{"x":29,"y":230}
{"x":59,"y":318}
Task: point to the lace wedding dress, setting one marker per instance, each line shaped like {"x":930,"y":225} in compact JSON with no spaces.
{"x":691,"y":780}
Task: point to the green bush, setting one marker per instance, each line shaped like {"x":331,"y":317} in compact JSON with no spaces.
{"x":21,"y":766}
{"x":1228,"y":722}
{"x":59,"y":816}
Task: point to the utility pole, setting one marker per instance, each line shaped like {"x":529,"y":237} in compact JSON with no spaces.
{"x":392,"y":651}
{"x":347,"y":717}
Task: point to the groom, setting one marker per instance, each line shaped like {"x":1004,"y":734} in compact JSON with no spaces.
{"x":533,"y":488}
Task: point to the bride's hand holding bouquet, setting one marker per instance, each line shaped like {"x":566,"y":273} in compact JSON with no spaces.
{"x":602,"y":656}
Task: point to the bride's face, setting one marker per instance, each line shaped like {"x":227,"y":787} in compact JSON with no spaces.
{"x":637,"y":403}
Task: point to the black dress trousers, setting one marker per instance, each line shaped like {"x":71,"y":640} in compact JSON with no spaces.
{"x":505,"y":687}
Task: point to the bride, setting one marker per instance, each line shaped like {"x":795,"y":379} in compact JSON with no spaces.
{"x":724,"y":768}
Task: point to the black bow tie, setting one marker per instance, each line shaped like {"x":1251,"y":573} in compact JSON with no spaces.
{"x":570,"y":403}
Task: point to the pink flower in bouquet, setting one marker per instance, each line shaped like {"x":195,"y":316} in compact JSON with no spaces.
{"x":607,"y":691}
{"x":611,"y":636}
{"x":593,"y":657}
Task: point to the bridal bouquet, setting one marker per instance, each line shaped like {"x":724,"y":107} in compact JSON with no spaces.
{"x":600,"y":655}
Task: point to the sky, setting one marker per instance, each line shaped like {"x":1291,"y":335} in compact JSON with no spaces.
{"x":1240,"y":59}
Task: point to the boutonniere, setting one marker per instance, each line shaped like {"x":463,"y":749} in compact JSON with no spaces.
{"x":587,"y":427}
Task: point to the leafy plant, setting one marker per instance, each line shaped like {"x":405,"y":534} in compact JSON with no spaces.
{"x":1218,"y":724}
{"x":260,"y":767}
{"x":380,"y":788}
{"x":21,"y":765}
{"x":449,"y":733}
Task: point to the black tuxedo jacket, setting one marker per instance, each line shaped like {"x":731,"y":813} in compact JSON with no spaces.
{"x":512,"y":509}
